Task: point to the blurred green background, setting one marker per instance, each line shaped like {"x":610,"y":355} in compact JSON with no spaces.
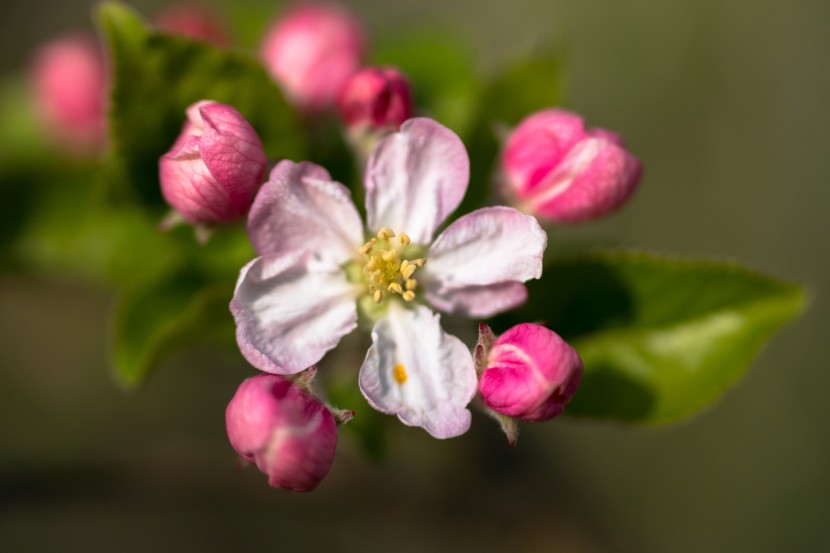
{"x":726,"y":103}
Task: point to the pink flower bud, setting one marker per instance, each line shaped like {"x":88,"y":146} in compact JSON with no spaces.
{"x":375,"y":98}
{"x":312,"y":50}
{"x":284,"y":430}
{"x":193,"y":21}
{"x":211,"y":173}
{"x":70,"y":80}
{"x":559,"y":171}
{"x":531,"y":374}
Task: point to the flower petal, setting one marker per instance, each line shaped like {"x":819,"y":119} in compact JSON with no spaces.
{"x":477,"y":264}
{"x":418,"y":372}
{"x":290,"y":310}
{"x":300,"y":207}
{"x":415,"y":179}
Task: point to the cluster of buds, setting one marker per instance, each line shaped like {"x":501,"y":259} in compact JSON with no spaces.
{"x":315,"y":51}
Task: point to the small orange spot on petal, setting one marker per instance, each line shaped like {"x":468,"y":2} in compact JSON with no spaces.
{"x":400,"y":373}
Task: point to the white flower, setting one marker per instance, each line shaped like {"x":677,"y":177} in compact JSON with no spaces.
{"x":299,"y":298}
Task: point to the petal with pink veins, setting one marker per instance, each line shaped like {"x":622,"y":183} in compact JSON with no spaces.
{"x":476,"y":266}
{"x":415,"y":179}
{"x":290,"y":310}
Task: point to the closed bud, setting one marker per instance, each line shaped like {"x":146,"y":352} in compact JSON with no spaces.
{"x":375,"y":99}
{"x":193,"y":21}
{"x":70,"y":81}
{"x":212,"y":172}
{"x":284,"y":430}
{"x":312,"y":50}
{"x":557,"y":170}
{"x":531,"y":374}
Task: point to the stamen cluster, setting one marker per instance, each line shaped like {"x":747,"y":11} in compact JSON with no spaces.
{"x":387,"y":269}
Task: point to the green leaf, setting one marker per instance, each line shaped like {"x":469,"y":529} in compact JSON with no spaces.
{"x":156,"y":317}
{"x":156,"y":76}
{"x":515,"y":92}
{"x":661,"y":338}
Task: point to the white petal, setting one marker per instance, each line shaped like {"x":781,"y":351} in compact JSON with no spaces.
{"x":440,"y":379}
{"x":415,"y":178}
{"x":478,"y":262}
{"x":290,"y":310}
{"x":300,"y":207}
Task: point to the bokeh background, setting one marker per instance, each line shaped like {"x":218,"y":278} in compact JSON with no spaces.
{"x":725,"y":102}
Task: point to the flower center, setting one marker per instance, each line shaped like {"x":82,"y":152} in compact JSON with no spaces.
{"x":388,"y":268}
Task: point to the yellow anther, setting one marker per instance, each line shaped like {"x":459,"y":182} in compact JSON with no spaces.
{"x":384,"y":269}
{"x":399,"y":373}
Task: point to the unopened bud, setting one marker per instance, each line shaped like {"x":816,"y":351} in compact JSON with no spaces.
{"x":312,"y":50}
{"x":287,"y":432}
{"x":70,"y":81}
{"x":531,"y":374}
{"x":212,"y":172}
{"x":375,"y":99}
{"x":193,"y":21}
{"x":557,"y":170}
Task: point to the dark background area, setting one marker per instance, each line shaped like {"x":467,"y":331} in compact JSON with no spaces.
{"x":725,"y":103}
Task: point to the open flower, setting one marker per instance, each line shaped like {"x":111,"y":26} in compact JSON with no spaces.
{"x":299,"y":298}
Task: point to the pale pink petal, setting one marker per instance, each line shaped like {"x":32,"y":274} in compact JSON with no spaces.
{"x":290,"y":310}
{"x":418,"y":372}
{"x":415,"y":179}
{"x":300,"y":207}
{"x":596,"y":177}
{"x":477,"y":264}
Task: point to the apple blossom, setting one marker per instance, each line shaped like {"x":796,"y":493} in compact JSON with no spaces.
{"x":287,"y":432}
{"x":299,"y":298}
{"x":558,"y":170}
{"x":214,"y":168}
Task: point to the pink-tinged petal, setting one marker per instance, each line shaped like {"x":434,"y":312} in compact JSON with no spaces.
{"x":479,"y":301}
{"x":290,"y":310}
{"x":286,"y":431}
{"x":537,"y":145}
{"x":418,"y":372}
{"x":415,"y":179}
{"x":531,"y":373}
{"x":474,"y":266}
{"x":300,"y":207}
{"x":188,"y":185}
{"x":595,"y":178}
{"x":375,"y":98}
